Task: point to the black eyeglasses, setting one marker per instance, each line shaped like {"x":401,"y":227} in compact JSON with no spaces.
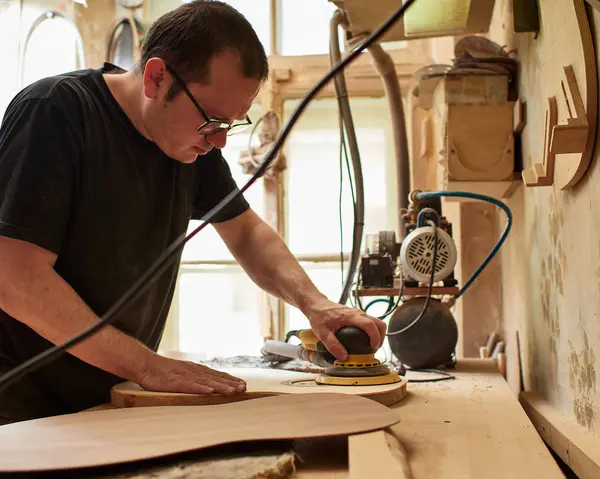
{"x":211,"y":126}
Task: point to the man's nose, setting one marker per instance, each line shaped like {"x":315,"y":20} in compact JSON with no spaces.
{"x":218,"y":140}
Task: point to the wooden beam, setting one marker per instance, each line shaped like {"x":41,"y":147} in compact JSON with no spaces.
{"x":576,"y":446}
{"x":95,"y":23}
{"x":482,"y":303}
{"x":366,"y":17}
{"x":296,"y":75}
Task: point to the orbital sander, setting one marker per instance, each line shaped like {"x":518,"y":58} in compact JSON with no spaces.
{"x":360,"y":369}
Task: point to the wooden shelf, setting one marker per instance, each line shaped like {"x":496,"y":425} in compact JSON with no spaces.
{"x":407,"y":291}
{"x":495,"y":189}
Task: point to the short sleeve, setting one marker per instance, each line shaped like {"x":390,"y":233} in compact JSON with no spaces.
{"x":38,"y":157}
{"x":214,"y":183}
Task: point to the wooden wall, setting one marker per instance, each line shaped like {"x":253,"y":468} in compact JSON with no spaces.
{"x":551,"y":264}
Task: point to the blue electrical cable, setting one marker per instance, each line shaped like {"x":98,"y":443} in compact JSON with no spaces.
{"x":389,"y":302}
{"x":464,"y":194}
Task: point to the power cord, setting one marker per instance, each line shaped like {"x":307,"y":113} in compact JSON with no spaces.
{"x":431,"y":281}
{"x":344,"y":155}
{"x":146,"y":279}
{"x":444,"y":376}
{"x":463,"y":194}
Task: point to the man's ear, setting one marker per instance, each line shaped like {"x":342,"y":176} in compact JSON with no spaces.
{"x":155,"y":78}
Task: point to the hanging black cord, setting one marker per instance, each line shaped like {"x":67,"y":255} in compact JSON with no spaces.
{"x":146,"y":279}
{"x":431,"y":281}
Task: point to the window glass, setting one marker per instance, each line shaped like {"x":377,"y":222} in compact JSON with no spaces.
{"x":9,"y":39}
{"x":304,"y":26}
{"x":313,"y":176}
{"x":52,"y":48}
{"x":218,"y":312}
{"x":312,"y":186}
{"x":207,"y":245}
{"x":258,"y":13}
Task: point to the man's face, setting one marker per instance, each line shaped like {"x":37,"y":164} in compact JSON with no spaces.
{"x":173,"y":125}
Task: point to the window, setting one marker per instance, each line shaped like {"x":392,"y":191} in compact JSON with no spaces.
{"x":218,"y":311}
{"x":215,"y":310}
{"x":258,"y":13}
{"x":9,"y":39}
{"x":313,"y":166}
{"x":52,"y":46}
{"x":304,"y":26}
{"x":207,"y":245}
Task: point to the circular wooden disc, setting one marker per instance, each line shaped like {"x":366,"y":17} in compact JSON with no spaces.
{"x":260,"y":383}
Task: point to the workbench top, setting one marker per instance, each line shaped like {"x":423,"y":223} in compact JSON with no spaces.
{"x":470,"y":427}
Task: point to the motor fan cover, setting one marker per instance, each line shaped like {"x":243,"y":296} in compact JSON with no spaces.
{"x":416,"y":254}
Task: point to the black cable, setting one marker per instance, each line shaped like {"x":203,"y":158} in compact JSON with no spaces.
{"x":145,"y":280}
{"x":444,"y":376}
{"x":252,"y":132}
{"x":431,"y":281}
{"x":350,"y":177}
{"x":341,"y":125}
{"x":344,"y":152}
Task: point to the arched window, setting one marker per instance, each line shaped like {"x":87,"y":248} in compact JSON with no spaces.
{"x":53,"y":45}
{"x":122,"y":44}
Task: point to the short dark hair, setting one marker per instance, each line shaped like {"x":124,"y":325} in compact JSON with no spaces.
{"x":188,"y":37}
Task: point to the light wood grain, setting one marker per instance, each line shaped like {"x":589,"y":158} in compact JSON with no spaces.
{"x":577,"y":446}
{"x":367,"y":16}
{"x":377,"y":454}
{"x":296,"y":75}
{"x":116,"y":436}
{"x":469,"y":428}
{"x":260,"y":383}
{"x":480,"y":141}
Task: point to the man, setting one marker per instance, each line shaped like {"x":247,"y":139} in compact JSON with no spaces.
{"x":100,"y":171}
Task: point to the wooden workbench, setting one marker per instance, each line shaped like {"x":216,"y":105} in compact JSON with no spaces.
{"x":472,"y":427}
{"x":469,"y":428}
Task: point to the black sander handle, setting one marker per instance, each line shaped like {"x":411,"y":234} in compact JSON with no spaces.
{"x":355,"y":340}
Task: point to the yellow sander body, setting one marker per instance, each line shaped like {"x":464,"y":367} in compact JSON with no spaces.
{"x":361,"y":367}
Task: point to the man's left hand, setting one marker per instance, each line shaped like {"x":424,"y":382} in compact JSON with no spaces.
{"x":327,"y":317}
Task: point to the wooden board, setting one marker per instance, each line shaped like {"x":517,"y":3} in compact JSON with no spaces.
{"x":578,"y":447}
{"x":470,"y":428}
{"x":91,"y":439}
{"x":260,"y":383}
{"x":377,"y":454}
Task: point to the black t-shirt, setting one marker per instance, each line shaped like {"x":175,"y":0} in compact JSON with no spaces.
{"x":77,"y":179}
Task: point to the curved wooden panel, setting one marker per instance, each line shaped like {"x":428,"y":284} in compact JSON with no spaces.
{"x":99,"y":438}
{"x":260,"y":383}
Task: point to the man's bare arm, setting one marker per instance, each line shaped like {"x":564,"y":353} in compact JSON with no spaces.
{"x":33,"y":293}
{"x":268,"y":261}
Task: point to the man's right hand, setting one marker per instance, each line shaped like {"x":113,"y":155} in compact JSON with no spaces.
{"x":172,"y":375}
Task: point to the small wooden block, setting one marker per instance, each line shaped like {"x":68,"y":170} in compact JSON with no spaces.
{"x":530,"y":177}
{"x":569,"y":138}
{"x":377,"y":454}
{"x":542,"y":174}
{"x":519,"y":116}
